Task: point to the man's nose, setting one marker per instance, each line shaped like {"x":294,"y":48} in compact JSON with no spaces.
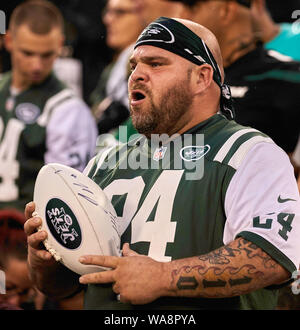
{"x":36,"y":63}
{"x":139,"y":74}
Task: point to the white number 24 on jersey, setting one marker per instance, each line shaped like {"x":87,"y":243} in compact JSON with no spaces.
{"x":162,"y":194}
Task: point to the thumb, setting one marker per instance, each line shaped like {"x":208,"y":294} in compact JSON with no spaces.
{"x":127,"y":252}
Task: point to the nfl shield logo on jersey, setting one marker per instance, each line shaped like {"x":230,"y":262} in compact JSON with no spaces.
{"x":27,"y":112}
{"x":10,"y":103}
{"x":159,"y":153}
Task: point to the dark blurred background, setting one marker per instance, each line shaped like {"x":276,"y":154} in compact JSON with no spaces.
{"x":282,"y":10}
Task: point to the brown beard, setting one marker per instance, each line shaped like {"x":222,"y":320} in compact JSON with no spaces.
{"x":162,"y":117}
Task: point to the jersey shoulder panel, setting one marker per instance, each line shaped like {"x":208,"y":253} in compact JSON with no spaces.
{"x":55,"y":100}
{"x":231,"y":142}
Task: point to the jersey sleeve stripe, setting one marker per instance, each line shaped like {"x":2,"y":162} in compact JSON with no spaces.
{"x":51,"y":103}
{"x":242,"y":151}
{"x":89,"y":166}
{"x":102,"y":156}
{"x":222,"y":153}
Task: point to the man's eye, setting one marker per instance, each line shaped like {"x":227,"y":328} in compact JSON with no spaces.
{"x":27,"y":53}
{"x":155,"y":64}
{"x":47,"y":55}
{"x":132,"y":67}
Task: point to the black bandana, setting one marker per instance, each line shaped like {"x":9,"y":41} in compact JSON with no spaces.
{"x":175,"y":37}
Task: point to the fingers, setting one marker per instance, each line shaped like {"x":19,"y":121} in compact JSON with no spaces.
{"x":29,"y":209}
{"x":116,"y":288}
{"x":99,"y":278}
{"x":104,"y":261}
{"x":31,"y":225}
{"x":44,"y":255}
{"x":127,"y":252}
{"x":35,"y":239}
{"x":37,"y":254}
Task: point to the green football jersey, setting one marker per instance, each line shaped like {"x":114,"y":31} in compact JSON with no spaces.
{"x":23,"y":122}
{"x":170,"y":198}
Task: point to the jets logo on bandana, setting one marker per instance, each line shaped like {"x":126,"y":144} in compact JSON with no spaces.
{"x":159,"y":33}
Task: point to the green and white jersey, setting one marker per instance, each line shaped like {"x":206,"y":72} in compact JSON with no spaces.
{"x":191,"y":196}
{"x":45,"y":123}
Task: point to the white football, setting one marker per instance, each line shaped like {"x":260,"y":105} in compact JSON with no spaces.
{"x":77,"y":216}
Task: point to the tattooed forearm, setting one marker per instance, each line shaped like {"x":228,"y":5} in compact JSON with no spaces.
{"x":187,"y":283}
{"x":220,"y":256}
{"x":252,"y":251}
{"x":224,"y":254}
{"x":237,"y":268}
{"x":222,"y":277}
{"x":213,"y":284}
{"x":239,"y":281}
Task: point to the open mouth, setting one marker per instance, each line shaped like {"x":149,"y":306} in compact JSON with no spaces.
{"x":137,"y":96}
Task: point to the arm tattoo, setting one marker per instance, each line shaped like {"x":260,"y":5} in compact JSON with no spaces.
{"x":237,"y":268}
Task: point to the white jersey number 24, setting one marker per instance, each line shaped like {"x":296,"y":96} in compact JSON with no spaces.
{"x":162,"y":229}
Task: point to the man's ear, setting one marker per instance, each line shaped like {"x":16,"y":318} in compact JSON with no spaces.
{"x":203,"y":77}
{"x":61,"y":45}
{"x":8,"y":41}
